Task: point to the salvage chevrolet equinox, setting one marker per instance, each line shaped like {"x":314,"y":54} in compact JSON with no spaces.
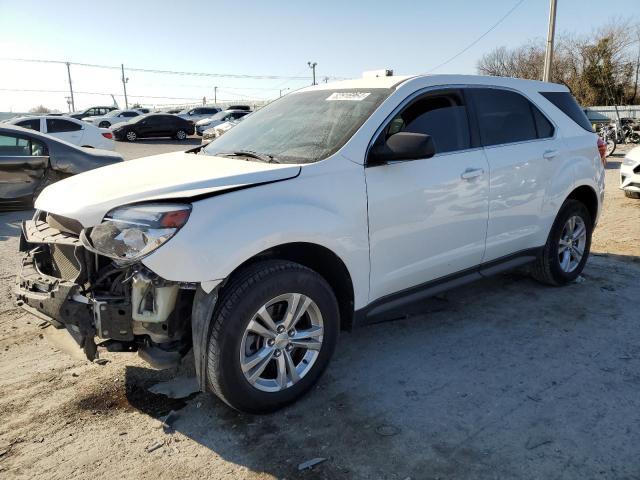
{"x":335,"y":206}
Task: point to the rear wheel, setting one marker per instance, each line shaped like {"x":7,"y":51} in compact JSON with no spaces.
{"x":274,"y":331}
{"x":131,"y":136}
{"x":567,"y":249}
{"x":631,"y":194}
{"x":611,"y":146}
{"x":181,"y":135}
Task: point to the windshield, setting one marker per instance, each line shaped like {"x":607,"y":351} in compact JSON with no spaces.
{"x":302,"y":127}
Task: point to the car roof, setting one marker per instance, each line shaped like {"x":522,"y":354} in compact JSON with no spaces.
{"x":440,"y":79}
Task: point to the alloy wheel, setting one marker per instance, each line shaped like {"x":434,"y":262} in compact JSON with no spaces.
{"x":181,"y":135}
{"x":282,"y":342}
{"x":573,"y":240}
{"x":131,"y":136}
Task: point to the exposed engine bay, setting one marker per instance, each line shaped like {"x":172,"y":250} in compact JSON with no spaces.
{"x":121,"y":306}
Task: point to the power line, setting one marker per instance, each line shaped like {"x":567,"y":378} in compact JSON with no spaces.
{"x":94,"y":93}
{"x":479,"y":38}
{"x":165,"y":72}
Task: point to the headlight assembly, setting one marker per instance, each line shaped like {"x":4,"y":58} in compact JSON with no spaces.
{"x":129,"y":233}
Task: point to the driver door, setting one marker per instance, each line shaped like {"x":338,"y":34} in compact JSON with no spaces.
{"x":22,"y":166}
{"x":428,"y":217}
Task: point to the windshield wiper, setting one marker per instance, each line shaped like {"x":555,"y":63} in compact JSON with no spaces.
{"x":265,"y":157}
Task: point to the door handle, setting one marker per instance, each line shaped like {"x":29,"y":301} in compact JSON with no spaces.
{"x":549,"y":154}
{"x":470,"y":173}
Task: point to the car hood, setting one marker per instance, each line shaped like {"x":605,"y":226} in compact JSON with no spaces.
{"x":89,"y":196}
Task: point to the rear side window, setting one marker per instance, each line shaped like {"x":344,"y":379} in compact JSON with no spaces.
{"x":129,"y":114}
{"x":33,"y":124}
{"x":443,"y":116}
{"x":503,"y":116}
{"x":543,"y":126}
{"x":569,"y":106}
{"x":59,"y":125}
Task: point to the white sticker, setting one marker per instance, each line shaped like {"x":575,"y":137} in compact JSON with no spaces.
{"x":350,"y":96}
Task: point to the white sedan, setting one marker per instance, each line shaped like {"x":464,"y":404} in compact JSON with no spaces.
{"x":112,"y":118}
{"x":69,"y":129}
{"x":630,"y":173}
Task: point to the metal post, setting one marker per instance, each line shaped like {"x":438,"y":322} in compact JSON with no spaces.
{"x":548,"y":56}
{"x":215,"y":95}
{"x":284,"y":90}
{"x":124,"y":87}
{"x":73,"y":104}
{"x":312,"y":66}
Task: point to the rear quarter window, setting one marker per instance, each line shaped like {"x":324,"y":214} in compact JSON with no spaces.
{"x":569,"y":106}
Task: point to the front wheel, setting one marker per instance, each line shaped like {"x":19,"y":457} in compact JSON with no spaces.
{"x":274,"y":331}
{"x":181,"y":135}
{"x":565,"y":254}
{"x":629,"y":194}
{"x":104,"y":124}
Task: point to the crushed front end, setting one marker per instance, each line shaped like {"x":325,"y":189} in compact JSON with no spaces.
{"x":101,"y":301}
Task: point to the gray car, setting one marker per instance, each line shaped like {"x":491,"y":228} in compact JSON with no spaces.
{"x":29,"y":161}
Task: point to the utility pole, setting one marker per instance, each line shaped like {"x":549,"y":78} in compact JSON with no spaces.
{"x":548,"y":56}
{"x":312,"y":66}
{"x":215,"y":95}
{"x":73,"y":105}
{"x":284,"y":90}
{"x":124,"y":86}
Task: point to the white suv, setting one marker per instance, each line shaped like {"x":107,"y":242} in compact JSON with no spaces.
{"x":335,"y":206}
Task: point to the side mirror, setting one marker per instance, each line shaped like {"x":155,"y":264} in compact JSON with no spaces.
{"x":403,"y":146}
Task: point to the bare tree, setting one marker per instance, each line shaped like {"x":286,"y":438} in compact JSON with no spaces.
{"x":40,"y":109}
{"x":599,"y":68}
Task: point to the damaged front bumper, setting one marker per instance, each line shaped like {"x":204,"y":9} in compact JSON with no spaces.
{"x":124,"y":308}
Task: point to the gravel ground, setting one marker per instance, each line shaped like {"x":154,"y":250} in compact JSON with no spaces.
{"x":503,"y":379}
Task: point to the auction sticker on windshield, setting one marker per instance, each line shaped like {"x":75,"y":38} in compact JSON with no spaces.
{"x":352,"y":96}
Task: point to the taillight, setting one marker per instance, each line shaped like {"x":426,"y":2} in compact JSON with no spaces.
{"x":108,"y":135}
{"x":602,"y":148}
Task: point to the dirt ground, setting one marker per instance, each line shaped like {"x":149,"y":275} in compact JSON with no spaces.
{"x":503,"y":379}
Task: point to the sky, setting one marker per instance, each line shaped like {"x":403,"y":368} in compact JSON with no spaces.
{"x":252,"y":37}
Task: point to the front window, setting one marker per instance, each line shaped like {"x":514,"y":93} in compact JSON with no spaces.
{"x":302,"y":127}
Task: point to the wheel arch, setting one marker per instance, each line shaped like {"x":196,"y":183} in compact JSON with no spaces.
{"x":321,"y":260}
{"x":586,"y":195}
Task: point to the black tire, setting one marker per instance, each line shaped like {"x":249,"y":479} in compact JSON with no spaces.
{"x":631,"y":194}
{"x":180,"y":135}
{"x":611,"y":147}
{"x":547,"y":268}
{"x":104,"y":125}
{"x":239,"y":300}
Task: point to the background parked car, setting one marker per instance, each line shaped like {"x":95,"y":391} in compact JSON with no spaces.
{"x":215,"y":132}
{"x":29,"y":161}
{"x":92,"y":112}
{"x":113,"y":118}
{"x":218,"y":118}
{"x":154,"y":125}
{"x":69,"y":129}
{"x":198,"y":113}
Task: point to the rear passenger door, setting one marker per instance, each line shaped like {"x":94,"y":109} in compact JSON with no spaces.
{"x":523,"y":153}
{"x":65,"y":130}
